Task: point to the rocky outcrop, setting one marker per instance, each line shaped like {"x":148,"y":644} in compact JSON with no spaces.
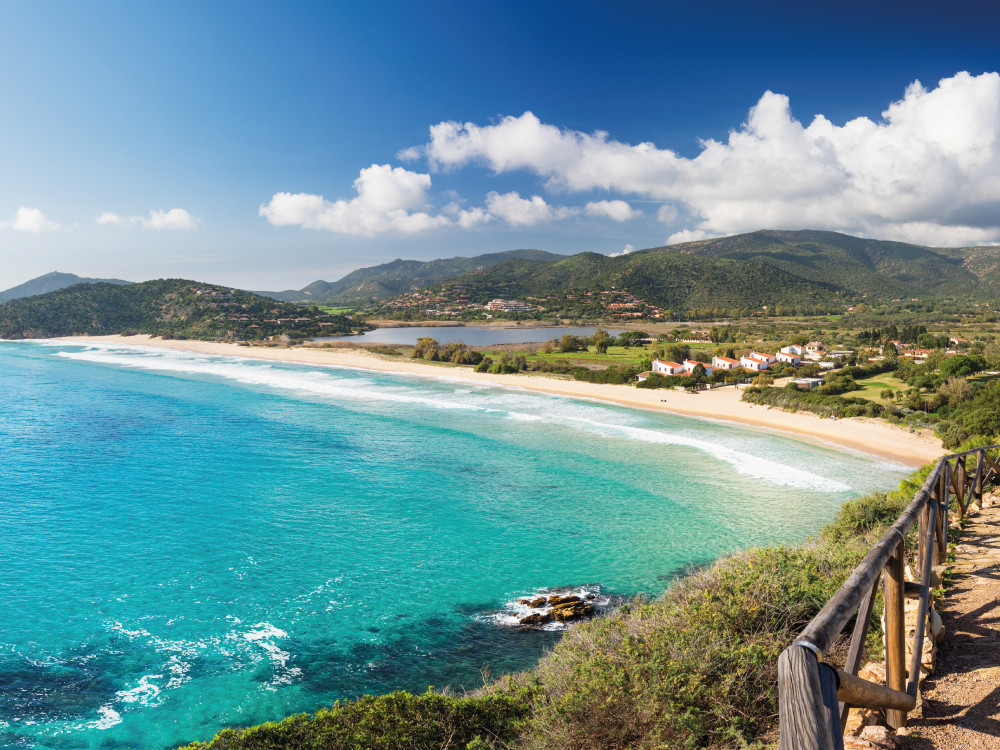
{"x":558,"y":609}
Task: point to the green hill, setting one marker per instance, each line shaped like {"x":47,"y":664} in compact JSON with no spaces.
{"x":880,"y":269}
{"x":400,"y":276}
{"x":768,"y":267}
{"x":50,"y":282}
{"x":175,"y":307}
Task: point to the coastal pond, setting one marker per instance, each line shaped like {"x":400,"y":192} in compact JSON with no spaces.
{"x":469,"y":335}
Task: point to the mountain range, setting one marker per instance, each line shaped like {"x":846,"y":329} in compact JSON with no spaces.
{"x":767,"y":267}
{"x":50,"y":282}
{"x":400,"y":276}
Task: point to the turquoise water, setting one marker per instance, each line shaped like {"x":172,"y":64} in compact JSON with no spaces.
{"x":189,"y":542}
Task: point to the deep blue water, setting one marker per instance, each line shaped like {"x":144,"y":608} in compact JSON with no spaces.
{"x":190,"y":542}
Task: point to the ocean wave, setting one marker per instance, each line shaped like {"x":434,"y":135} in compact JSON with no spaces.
{"x":516,"y":406}
{"x":262,"y":637}
{"x":107,"y":718}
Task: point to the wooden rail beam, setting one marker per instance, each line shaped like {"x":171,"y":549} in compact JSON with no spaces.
{"x":860,"y":693}
{"x":806,"y":721}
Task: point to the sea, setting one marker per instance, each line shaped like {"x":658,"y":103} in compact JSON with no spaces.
{"x":191,"y":542}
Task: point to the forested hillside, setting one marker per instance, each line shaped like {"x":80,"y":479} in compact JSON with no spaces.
{"x":803,"y":270}
{"x":400,"y":276}
{"x":50,"y":282}
{"x":171,"y":307}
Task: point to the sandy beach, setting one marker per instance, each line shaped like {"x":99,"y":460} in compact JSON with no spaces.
{"x":865,"y":435}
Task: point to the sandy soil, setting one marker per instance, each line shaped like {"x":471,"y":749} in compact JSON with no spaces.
{"x":864,"y":435}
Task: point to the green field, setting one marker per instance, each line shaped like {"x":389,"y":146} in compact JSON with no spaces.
{"x":337,"y":310}
{"x":871,"y":388}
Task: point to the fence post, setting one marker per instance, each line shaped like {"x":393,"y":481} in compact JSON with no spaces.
{"x":980,"y":468}
{"x":944,"y":498}
{"x":895,"y":632}
{"x":807,"y":723}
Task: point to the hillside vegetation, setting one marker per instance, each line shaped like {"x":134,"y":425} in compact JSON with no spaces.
{"x":399,"y":276}
{"x":696,"y":668}
{"x":51,"y":282}
{"x":165,"y":307}
{"x":812,"y":272}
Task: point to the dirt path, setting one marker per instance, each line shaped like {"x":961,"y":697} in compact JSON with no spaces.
{"x":962,"y":699}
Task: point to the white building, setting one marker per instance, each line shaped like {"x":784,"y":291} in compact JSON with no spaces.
{"x":690,"y":364}
{"x":754,"y":364}
{"x":724,"y":363}
{"x":664,"y":367}
{"x":784,"y":356}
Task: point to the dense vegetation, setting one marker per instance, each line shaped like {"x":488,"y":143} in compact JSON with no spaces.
{"x":695,"y":668}
{"x":798,"y":273}
{"x":165,"y":307}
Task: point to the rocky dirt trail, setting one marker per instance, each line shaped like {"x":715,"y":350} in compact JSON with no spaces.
{"x":961,"y":700}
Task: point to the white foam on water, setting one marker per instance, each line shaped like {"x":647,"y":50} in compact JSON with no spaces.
{"x":108,"y":718}
{"x":513,"y":405}
{"x":146,"y":693}
{"x":284,"y":675}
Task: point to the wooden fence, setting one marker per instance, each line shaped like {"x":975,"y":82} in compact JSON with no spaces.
{"x":814,"y":698}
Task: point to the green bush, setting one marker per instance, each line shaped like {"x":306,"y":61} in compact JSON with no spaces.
{"x":397,"y":721}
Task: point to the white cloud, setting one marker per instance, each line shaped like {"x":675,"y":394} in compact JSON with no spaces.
{"x":624,"y":251}
{"x":617,"y":210}
{"x":927,"y":171}
{"x":175,"y":218}
{"x":30,"y":220}
{"x":387,"y":201}
{"x":524,"y":212}
{"x":687,"y":235}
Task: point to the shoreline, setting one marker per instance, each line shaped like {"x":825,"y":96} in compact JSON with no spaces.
{"x":869,"y":436}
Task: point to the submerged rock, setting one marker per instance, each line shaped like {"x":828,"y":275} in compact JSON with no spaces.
{"x":538,"y":618}
{"x":536,"y":603}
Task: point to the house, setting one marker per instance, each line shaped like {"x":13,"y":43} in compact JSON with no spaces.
{"x":807,"y":384}
{"x":814,"y":346}
{"x":753,"y":363}
{"x":644,"y":375}
{"x":792,"y":359}
{"x":724,"y":363}
{"x":769,"y":358}
{"x":795,"y":349}
{"x":663,"y":367}
{"x":690,"y":364}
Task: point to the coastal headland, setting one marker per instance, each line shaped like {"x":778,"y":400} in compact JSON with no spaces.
{"x":910,"y":447}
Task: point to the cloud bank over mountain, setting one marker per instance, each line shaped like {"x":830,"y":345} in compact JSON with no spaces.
{"x":928,"y":172}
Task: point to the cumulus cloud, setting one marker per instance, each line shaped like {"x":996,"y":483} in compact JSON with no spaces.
{"x":617,"y":210}
{"x":175,"y":218}
{"x":388,"y":200}
{"x":524,"y":212}
{"x":927,"y":171}
{"x":624,"y":251}
{"x":30,"y":220}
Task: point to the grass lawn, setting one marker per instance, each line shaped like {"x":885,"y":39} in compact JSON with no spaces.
{"x":871,"y":388}
{"x":336,"y":310}
{"x":616,"y":355}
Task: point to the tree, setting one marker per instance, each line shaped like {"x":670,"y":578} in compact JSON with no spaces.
{"x":956,"y":390}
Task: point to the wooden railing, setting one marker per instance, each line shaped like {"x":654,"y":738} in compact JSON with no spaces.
{"x":814,"y":698}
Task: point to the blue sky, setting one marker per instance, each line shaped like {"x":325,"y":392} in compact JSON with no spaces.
{"x":267,"y":145}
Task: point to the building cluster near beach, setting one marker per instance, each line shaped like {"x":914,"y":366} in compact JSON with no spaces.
{"x":755,"y":362}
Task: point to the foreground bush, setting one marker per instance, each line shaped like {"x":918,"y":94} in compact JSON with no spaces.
{"x":398,"y":721}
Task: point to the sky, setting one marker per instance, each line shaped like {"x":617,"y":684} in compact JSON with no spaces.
{"x":267,"y":145}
